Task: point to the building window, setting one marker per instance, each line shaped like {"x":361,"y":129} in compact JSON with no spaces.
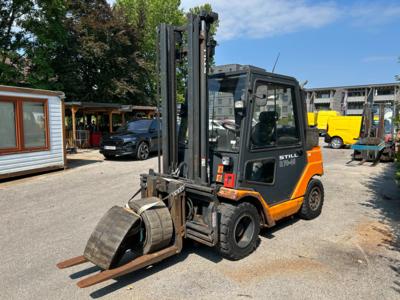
{"x":355,"y":105}
{"x":23,"y":125}
{"x":324,"y":95}
{"x":384,"y":92}
{"x":356,"y":93}
{"x":322,"y":106}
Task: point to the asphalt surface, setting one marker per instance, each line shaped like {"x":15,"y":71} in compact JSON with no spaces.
{"x":350,"y":252}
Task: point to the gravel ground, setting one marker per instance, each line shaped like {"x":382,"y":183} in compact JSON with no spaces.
{"x":350,"y":252}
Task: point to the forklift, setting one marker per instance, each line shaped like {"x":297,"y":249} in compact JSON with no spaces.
{"x":241,"y":158}
{"x":376,"y":141}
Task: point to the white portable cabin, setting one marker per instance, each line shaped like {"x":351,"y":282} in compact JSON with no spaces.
{"x":32,"y":135}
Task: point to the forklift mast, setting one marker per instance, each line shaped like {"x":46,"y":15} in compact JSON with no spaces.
{"x":197,"y":57}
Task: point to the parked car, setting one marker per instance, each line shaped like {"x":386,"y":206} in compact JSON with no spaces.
{"x":137,"y":139}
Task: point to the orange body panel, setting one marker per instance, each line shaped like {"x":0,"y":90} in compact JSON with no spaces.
{"x":286,"y":208}
{"x":237,"y":195}
{"x":291,"y":206}
{"x":314,"y":167}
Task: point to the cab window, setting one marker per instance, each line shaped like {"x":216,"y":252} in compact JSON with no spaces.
{"x":273,"y":118}
{"x":260,"y":171}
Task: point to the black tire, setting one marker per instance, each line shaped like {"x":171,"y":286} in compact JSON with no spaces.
{"x":357,"y":155}
{"x":388,"y":154}
{"x":313,"y":200}
{"x":336,"y":142}
{"x":109,"y":156}
{"x":157,"y":231}
{"x":238,"y":230}
{"x":143,"y":151}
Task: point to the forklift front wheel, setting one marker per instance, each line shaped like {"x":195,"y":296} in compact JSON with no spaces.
{"x":239,"y":229}
{"x":313,"y":200}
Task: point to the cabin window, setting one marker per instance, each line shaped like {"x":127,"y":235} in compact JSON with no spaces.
{"x":7,"y":125}
{"x":23,"y":125}
{"x":34,"y":124}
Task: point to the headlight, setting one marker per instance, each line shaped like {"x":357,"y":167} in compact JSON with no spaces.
{"x":130,"y":140}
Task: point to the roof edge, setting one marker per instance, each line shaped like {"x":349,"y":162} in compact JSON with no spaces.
{"x":17,"y":89}
{"x":354,"y":86}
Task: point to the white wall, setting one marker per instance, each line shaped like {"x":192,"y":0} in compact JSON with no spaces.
{"x":11,"y":163}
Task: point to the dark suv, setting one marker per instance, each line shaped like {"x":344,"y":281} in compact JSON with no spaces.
{"x":136,"y":138}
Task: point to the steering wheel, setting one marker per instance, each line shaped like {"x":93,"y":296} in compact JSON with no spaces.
{"x":231,"y":126}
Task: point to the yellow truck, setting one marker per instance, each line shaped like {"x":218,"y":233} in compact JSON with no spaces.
{"x":342,"y":130}
{"x":312,"y":119}
{"x":323,"y":117}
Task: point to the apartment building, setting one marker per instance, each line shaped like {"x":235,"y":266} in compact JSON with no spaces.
{"x":349,"y":100}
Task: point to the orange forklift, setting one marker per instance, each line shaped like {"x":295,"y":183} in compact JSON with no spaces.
{"x":241,"y":158}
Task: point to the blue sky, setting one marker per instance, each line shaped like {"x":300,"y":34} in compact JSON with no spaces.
{"x":328,"y":43}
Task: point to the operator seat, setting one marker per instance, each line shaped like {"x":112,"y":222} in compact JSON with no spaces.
{"x":264,"y":131}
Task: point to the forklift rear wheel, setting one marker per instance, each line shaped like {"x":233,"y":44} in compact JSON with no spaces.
{"x":313,"y":200}
{"x":336,"y":142}
{"x":239,"y":229}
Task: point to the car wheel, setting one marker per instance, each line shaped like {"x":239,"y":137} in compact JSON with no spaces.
{"x":143,"y":151}
{"x":239,"y":229}
{"x":109,"y":156}
{"x":336,"y":142}
{"x":313,"y":200}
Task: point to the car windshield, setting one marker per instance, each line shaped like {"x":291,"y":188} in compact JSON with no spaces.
{"x":139,"y":126}
{"x":224,"y":133}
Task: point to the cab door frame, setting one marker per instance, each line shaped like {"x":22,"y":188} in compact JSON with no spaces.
{"x":289,"y":161}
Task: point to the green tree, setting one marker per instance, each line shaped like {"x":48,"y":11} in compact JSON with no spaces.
{"x":13,"y":39}
{"x":48,"y":40}
{"x":146,"y":15}
{"x":86,"y":49}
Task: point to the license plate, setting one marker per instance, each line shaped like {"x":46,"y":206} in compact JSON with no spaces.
{"x":110,"y":148}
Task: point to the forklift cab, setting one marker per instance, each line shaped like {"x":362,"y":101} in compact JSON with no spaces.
{"x":256,"y":131}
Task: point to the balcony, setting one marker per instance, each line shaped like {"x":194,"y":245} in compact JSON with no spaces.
{"x":384,"y":98}
{"x":355,"y":98}
{"x":322,"y":100}
{"x":354,"y":111}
